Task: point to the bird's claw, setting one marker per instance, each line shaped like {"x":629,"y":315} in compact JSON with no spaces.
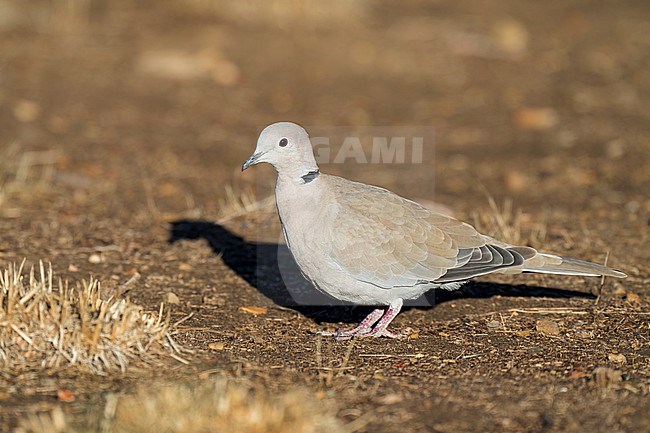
{"x":340,"y":335}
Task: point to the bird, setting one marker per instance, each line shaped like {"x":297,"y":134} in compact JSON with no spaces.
{"x":369,"y":246}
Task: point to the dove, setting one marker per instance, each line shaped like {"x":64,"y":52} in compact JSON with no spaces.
{"x":368,"y":246}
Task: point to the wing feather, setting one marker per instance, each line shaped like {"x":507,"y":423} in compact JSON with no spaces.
{"x":389,"y":241}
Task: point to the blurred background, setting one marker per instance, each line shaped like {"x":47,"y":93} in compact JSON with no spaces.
{"x":134,"y":109}
{"x":118,"y":117}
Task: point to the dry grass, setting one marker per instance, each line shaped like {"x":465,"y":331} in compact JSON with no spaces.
{"x":215,"y":405}
{"x":240,"y":202}
{"x":23,"y":174}
{"x":44,"y":324}
{"x":19,"y":168}
{"x":508,"y":224}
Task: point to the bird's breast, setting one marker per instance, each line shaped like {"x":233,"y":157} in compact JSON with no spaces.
{"x":304,"y":214}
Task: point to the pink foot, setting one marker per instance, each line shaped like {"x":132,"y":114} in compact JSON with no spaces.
{"x":365,"y":328}
{"x":382,"y":333}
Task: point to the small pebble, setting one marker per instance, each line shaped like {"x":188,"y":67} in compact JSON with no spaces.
{"x":494,"y":324}
{"x":548,"y":327}
{"x":95,"y":258}
{"x":171,"y":298}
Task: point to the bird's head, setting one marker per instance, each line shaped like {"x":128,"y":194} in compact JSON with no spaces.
{"x":287,"y":147}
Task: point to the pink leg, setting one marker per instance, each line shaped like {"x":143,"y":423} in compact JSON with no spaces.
{"x":365,"y":328}
{"x":381,"y":328}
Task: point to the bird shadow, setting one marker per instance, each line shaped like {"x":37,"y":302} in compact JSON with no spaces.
{"x":270,"y":268}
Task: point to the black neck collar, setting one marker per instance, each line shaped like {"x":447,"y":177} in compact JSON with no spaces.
{"x":310,"y":176}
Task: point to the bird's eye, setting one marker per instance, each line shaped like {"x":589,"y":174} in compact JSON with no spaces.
{"x":283,"y":142}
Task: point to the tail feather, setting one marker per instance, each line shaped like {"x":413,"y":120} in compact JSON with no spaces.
{"x":552,"y":264}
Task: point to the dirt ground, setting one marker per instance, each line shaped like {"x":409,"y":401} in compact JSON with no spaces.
{"x":123,"y":126}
